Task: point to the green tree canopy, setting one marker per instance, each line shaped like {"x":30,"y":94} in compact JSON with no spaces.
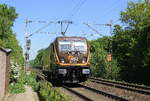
{"x":131,"y":45}
{"x":7,"y":37}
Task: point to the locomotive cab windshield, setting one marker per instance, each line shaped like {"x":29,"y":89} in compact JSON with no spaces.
{"x":73,"y":45}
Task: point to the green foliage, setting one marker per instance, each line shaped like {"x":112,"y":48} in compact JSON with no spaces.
{"x":48,"y":93}
{"x":29,"y":79}
{"x":135,"y":13}
{"x":14,"y":72}
{"x":7,"y":37}
{"x":7,"y":15}
{"x":24,"y":79}
{"x":39,"y":60}
{"x":17,"y":53}
{"x":100,"y":66}
{"x":16,"y":88}
{"x":131,"y":45}
{"x":19,"y":78}
{"x":43,"y":60}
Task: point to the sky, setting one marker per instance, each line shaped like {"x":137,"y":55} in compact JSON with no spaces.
{"x":80,"y":12}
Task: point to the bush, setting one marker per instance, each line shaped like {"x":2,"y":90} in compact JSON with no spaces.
{"x":29,"y":79}
{"x":15,"y":70}
{"x":15,"y":74}
{"x":19,"y":78}
{"x":48,"y":93}
{"x":100,"y":66}
{"x":16,"y":88}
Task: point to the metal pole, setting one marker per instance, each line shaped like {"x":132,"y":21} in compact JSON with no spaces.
{"x":27,"y":47}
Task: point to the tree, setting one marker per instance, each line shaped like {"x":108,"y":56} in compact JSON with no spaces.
{"x":7,"y":37}
{"x":135,"y":14}
{"x":100,"y":66}
{"x":7,"y":15}
{"x":131,"y":45}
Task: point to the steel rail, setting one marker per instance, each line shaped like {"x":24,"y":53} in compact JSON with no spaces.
{"x":118,"y":98}
{"x":121,"y":85}
{"x":78,"y":94}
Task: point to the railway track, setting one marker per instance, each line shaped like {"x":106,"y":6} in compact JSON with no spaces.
{"x":126,"y":86}
{"x":96,"y":94}
{"x":92,"y":94}
{"x":89,"y":93}
{"x":82,"y":97}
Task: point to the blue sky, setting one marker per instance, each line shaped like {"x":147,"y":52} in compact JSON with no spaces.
{"x":91,"y":11}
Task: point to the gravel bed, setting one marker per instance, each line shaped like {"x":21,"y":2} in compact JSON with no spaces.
{"x":119,"y":92}
{"x":87,"y":93}
{"x":73,"y":96}
{"x":92,"y":95}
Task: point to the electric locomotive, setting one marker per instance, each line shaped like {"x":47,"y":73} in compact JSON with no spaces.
{"x":70,"y":59}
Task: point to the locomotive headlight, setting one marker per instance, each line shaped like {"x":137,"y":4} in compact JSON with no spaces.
{"x":86,"y":71}
{"x":84,"y":60}
{"x":62,"y":71}
{"x":62,"y":60}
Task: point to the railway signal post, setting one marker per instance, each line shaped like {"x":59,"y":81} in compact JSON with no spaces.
{"x":27,"y":44}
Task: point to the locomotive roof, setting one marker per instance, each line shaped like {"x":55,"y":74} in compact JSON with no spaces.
{"x":70,"y":38}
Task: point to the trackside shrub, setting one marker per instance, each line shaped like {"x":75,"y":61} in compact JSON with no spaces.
{"x":29,"y":78}
{"x":19,"y":78}
{"x":15,"y":73}
{"x":48,"y":93}
{"x":16,"y":88}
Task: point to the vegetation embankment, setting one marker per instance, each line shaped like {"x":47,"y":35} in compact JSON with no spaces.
{"x":129,"y":46}
{"x":44,"y":88}
{"x":8,"y":40}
